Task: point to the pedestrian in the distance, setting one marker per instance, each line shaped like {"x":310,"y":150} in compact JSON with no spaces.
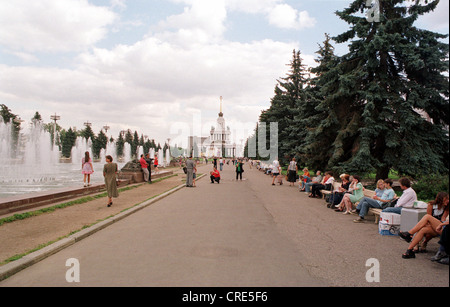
{"x":239,"y":169}
{"x":110,"y":170}
{"x":292,"y":169}
{"x":155,"y":164}
{"x":87,"y":168}
{"x":190,"y":166}
{"x":144,"y":167}
{"x":149,"y":162}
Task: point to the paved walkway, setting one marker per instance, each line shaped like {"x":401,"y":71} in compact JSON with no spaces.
{"x":239,"y":233}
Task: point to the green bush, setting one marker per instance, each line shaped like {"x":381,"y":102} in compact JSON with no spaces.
{"x":429,"y":186}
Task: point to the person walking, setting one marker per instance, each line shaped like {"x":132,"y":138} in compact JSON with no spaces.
{"x":190,"y":166}
{"x":110,"y":170}
{"x":276,"y":170}
{"x":239,"y":169}
{"x":292,"y":169}
{"x":87,"y":168}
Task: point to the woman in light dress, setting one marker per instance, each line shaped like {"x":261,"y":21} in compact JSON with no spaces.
{"x":86,"y":168}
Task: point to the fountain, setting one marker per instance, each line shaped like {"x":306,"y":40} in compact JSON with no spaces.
{"x":35,"y":166}
{"x":167,"y":157}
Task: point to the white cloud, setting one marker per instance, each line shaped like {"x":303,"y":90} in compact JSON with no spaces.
{"x":52,"y":25}
{"x":182,"y":66}
{"x":286,"y":17}
{"x":202,"y":21}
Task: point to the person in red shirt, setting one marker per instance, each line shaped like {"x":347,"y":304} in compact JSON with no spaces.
{"x":144,"y":167}
{"x":215,"y":175}
{"x":156,"y":163}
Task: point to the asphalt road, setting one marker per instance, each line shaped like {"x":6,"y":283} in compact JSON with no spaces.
{"x":236,"y":234}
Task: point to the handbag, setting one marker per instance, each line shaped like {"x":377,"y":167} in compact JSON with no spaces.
{"x":185,"y":170}
{"x":389,"y":204}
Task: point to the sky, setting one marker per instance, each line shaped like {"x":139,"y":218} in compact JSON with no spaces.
{"x":159,"y":67}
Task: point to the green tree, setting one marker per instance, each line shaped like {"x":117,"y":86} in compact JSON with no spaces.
{"x":68,"y":139}
{"x":98,"y":143}
{"x":326,"y":111}
{"x":87,"y":133}
{"x":8,"y":117}
{"x":37,"y":119}
{"x":120,"y":145}
{"x":286,"y":106}
{"x":135,"y":145}
{"x":394,"y":84}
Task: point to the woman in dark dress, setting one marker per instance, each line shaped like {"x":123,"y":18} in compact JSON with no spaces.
{"x":110,"y":170}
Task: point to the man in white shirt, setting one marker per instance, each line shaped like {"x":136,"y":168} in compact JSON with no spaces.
{"x":275,"y":170}
{"x":406,"y":200}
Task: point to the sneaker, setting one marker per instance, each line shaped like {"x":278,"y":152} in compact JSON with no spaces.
{"x":444,"y":260}
{"x":359,"y":220}
{"x":439,"y":255}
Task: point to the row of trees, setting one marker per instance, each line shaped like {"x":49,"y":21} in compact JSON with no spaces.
{"x":66,"y":139}
{"x":382,"y":106}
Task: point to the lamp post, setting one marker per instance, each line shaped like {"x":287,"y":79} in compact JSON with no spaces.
{"x":54,"y":118}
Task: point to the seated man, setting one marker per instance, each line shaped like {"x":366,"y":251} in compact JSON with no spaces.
{"x":215,"y":175}
{"x":317,"y":179}
{"x":406,"y":200}
{"x":376,"y":201}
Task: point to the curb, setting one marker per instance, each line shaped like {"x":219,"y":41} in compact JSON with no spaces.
{"x":14,"y":267}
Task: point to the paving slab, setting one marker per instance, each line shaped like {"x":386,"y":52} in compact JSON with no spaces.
{"x":236,"y":234}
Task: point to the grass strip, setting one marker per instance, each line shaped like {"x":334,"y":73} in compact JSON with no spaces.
{"x":83,"y":200}
{"x":18,"y":256}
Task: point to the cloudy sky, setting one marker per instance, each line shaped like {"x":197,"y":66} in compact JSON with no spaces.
{"x":157,"y":65}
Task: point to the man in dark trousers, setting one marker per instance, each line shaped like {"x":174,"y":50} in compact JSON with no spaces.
{"x":149,"y":167}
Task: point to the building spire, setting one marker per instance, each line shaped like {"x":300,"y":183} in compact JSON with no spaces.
{"x":221,"y":107}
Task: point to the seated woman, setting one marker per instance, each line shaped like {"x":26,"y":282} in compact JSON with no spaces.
{"x":357,"y":193}
{"x":438,"y":208}
{"x":336,"y":196}
{"x":306,"y":177}
{"x":326,"y":181}
{"x":428,"y":226}
{"x":215,"y":175}
{"x":376,"y":201}
{"x":438,"y":212}
{"x":380,"y":188}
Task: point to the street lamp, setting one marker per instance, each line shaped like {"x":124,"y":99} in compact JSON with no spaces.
{"x":54,"y":118}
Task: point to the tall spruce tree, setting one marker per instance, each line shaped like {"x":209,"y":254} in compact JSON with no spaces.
{"x":120,"y":144}
{"x":317,"y":121}
{"x":394,"y":90}
{"x":68,"y":140}
{"x":286,"y":105}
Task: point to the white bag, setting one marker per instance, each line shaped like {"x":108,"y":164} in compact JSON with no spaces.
{"x":420,"y":205}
